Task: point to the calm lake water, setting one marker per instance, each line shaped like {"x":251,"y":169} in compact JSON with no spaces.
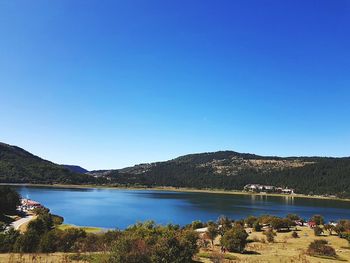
{"x":112,"y":208}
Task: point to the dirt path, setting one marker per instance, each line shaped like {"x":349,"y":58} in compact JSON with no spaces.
{"x":22,"y":222}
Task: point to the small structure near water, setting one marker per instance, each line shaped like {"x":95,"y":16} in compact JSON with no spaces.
{"x":258,"y":188}
{"x":28,"y":205}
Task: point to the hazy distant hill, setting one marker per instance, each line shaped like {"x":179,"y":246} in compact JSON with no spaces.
{"x":75,"y":169}
{"x":20,"y":166}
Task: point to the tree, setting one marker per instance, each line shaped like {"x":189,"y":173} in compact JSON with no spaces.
{"x":211,"y":233}
{"x":10,"y":199}
{"x":196,"y":224}
{"x":318,"y":219}
{"x":278,"y":223}
{"x":293,"y":217}
{"x":69,"y":237}
{"x":7,"y":240}
{"x":49,"y":241}
{"x":329,"y":228}
{"x":318,"y":231}
{"x":224,"y":224}
{"x":235,"y":239}
{"x":130,"y":249}
{"x":250,"y":221}
{"x":28,"y":242}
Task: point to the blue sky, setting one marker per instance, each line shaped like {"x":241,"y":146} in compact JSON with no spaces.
{"x":107,"y":84}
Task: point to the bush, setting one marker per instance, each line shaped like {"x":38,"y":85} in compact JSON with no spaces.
{"x":318,"y":231}
{"x":250,"y":221}
{"x":57,"y":220}
{"x":8,"y":240}
{"x":235,"y":239}
{"x":150,"y":243}
{"x":28,"y":242}
{"x":270,"y":235}
{"x":295,"y":234}
{"x":196,"y":224}
{"x":318,"y":219}
{"x":293,"y":217}
{"x":321,"y":248}
{"x":257,"y":227}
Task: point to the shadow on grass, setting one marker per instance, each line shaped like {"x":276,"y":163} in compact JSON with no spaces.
{"x":248,"y":252}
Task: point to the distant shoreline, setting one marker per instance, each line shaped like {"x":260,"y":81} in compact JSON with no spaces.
{"x":181,"y":189}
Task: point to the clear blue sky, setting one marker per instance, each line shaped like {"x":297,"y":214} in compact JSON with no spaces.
{"x":106,"y":84}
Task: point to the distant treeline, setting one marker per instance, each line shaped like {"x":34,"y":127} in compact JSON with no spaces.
{"x":321,"y":176}
{"x":327,"y":176}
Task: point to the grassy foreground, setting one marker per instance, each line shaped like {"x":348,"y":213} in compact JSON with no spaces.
{"x":284,"y":249}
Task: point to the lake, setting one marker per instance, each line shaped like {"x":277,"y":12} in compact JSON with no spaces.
{"x":116,"y":208}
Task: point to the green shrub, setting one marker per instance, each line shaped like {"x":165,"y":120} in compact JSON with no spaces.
{"x":235,"y":239}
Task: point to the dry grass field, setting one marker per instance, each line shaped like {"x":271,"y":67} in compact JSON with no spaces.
{"x":287,"y":249}
{"x":284,"y":249}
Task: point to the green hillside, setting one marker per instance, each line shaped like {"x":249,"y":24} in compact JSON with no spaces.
{"x":20,"y":166}
{"x":230,"y":170}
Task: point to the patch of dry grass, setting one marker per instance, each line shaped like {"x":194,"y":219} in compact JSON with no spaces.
{"x":287,"y":249}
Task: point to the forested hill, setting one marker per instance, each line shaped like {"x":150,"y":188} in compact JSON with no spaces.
{"x":221,"y":170}
{"x":20,"y":166}
{"x":232,"y":170}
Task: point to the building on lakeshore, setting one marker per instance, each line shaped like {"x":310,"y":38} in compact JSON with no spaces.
{"x":28,"y":204}
{"x":258,"y":188}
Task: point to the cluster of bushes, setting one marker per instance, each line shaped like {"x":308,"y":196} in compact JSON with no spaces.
{"x":272,"y":222}
{"x":148,"y":242}
{"x":143,"y":242}
{"x":321,"y":248}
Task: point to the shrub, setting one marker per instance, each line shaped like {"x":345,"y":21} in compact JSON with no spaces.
{"x":257,"y":227}
{"x":318,"y":231}
{"x":7,"y":240}
{"x":318,"y":219}
{"x":295,"y":234}
{"x":235,"y":239}
{"x":250,"y":221}
{"x":270,"y":235}
{"x":321,"y":248}
{"x":57,"y":220}
{"x":293,"y":217}
{"x":150,"y":243}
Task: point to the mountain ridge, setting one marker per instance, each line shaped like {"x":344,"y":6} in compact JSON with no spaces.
{"x":227,"y":170}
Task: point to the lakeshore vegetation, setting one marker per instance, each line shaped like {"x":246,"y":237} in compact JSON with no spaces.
{"x":223,"y":240}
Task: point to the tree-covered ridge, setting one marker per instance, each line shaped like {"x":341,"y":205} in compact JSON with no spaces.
{"x":307,"y":175}
{"x":220,"y":170}
{"x":20,"y":166}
